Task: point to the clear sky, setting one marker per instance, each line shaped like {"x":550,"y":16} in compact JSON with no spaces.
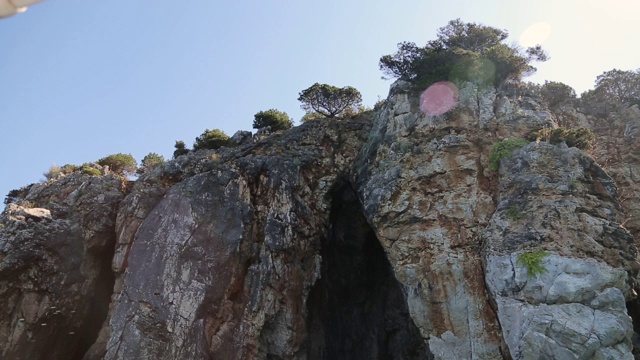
{"x":82,"y":79}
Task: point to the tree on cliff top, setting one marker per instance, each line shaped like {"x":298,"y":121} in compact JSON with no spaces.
{"x":614,"y":88}
{"x":329,"y":101}
{"x":180,"y":149}
{"x":277,"y":120}
{"x":211,"y":139}
{"x":122,"y":164}
{"x":150,"y":162}
{"x":462,"y":52}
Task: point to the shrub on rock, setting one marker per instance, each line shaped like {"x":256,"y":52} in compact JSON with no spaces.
{"x":277,"y":120}
{"x":122,"y":164}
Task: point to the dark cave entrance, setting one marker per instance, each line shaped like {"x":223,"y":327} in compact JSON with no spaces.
{"x":633,"y":310}
{"x":99,"y":303}
{"x":357,"y":310}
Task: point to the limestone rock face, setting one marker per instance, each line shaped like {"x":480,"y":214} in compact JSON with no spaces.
{"x":224,"y":262}
{"x":56,"y":248}
{"x":617,"y":149}
{"x":380,"y":237}
{"x":424,"y":190}
{"x":555,"y":200}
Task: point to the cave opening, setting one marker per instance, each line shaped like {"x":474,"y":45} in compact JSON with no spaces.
{"x":99,"y":303}
{"x":633,"y":310}
{"x":357,"y":309}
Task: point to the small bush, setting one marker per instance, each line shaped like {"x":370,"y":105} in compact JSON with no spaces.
{"x":150,"y":162}
{"x":68,"y":169}
{"x":379,"y":104}
{"x":181,"y":149}
{"x":312,"y":115}
{"x":17,"y":194}
{"x":54,"y":172}
{"x":513,"y":213}
{"x":582,"y":138}
{"x":277,"y":120}
{"x":91,"y":171}
{"x":533,"y":262}
{"x":503,"y":149}
{"x":555,"y":93}
{"x":122,"y":164}
{"x":211,"y":139}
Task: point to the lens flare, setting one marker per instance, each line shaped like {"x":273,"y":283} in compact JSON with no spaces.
{"x":439,"y":98}
{"x":535,"y":34}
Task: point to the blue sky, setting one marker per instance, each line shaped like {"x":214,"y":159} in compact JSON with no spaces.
{"x":81,"y":79}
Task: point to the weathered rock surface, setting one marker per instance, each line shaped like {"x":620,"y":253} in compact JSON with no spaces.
{"x":424,"y":190}
{"x":557,"y":200}
{"x":55,"y":280}
{"x":382,"y":238}
{"x":618,"y":151}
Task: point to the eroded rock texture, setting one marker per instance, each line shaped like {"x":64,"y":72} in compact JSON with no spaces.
{"x":425,"y":193}
{"x":557,"y":200}
{"x":56,"y":247}
{"x":382,"y":238}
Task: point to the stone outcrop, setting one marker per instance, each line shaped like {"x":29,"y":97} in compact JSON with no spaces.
{"x":56,"y":248}
{"x":424,"y":190}
{"x":556,"y":200}
{"x":372,"y":238}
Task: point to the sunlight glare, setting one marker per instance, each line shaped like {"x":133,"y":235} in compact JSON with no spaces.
{"x":535,"y":34}
{"x":617,"y":9}
{"x":439,"y":98}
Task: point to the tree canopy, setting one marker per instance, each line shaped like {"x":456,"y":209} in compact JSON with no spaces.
{"x":555,"y":93}
{"x":613,"y":88}
{"x":122,"y":164}
{"x":277,"y":120}
{"x":211,"y":139}
{"x":330,"y":101}
{"x":149,"y":162}
{"x":180,"y":149}
{"x":462,"y":52}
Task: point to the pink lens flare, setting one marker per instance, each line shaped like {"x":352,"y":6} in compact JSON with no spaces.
{"x":439,"y":98}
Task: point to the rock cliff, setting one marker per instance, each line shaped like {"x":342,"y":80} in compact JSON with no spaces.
{"x":382,"y":238}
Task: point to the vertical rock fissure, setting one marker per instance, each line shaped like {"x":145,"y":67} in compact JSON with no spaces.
{"x":633,"y":310}
{"x":98,"y":307}
{"x":357,"y":309}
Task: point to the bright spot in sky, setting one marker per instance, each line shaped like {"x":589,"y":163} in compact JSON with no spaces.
{"x":535,"y":34}
{"x":439,"y":98}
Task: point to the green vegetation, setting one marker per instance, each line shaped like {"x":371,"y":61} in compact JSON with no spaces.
{"x":90,"y":171}
{"x":311,"y":115}
{"x":503,"y":149}
{"x":613,"y":89}
{"x":582,"y":138}
{"x":556,"y":93}
{"x":513,"y":213}
{"x":121,"y":164}
{"x":462,"y":52}
{"x":533,"y":262}
{"x":379,"y":104}
{"x":150,"y":162}
{"x":181,"y":149}
{"x":53,"y":172}
{"x":330,"y":101}
{"x":211,"y":139}
{"x":67,"y":169}
{"x":277,"y":120}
